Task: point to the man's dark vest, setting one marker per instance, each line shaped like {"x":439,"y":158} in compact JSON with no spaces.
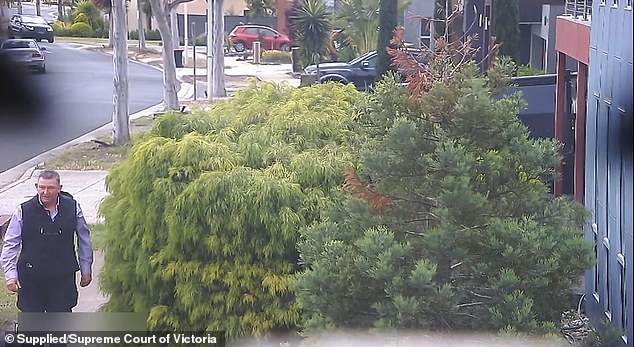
{"x":48,"y":246}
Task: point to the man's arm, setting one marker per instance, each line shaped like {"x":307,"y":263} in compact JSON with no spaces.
{"x":84,"y":248}
{"x":10,"y":250}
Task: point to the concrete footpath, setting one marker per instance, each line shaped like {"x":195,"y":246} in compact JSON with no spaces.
{"x":88,"y":187}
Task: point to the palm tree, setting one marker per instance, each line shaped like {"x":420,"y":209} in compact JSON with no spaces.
{"x":360,"y":20}
{"x":312,"y":26}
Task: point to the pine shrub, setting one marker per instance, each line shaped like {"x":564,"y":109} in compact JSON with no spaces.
{"x":449,"y":224}
{"x":203,"y":216}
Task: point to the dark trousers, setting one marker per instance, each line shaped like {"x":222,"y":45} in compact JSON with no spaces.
{"x":46,"y":293}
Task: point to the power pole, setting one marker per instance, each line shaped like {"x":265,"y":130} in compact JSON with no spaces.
{"x":218,"y":80}
{"x":120,"y":115}
{"x":210,"y":48}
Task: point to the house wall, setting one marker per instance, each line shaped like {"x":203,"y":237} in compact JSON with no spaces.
{"x":196,"y":7}
{"x":608,"y":165}
{"x":412,"y":19}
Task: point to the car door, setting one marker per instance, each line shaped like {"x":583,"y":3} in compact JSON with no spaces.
{"x":269,"y":38}
{"x":250,"y":35}
{"x":365,"y":73}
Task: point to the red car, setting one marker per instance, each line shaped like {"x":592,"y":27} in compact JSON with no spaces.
{"x":243,"y":36}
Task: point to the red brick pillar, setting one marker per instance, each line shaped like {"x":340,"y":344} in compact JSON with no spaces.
{"x":560,"y":123}
{"x":580,"y":131}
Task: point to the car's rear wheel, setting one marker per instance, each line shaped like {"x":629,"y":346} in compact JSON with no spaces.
{"x":239,"y":46}
{"x":51,"y":40}
{"x":284,"y":47}
{"x":42,"y":69}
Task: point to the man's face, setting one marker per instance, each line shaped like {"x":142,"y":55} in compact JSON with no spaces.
{"x":48,"y":189}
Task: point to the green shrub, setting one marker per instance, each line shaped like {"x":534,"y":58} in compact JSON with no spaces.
{"x":150,"y":35}
{"x":81,"y":18}
{"x":525,"y":70}
{"x":80,"y":30}
{"x":446,"y":222}
{"x":203,"y":217}
{"x":86,"y":12}
{"x":280,"y":57}
{"x":60,"y":28}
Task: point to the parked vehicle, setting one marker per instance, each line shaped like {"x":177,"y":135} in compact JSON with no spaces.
{"x":30,"y":27}
{"x":243,"y":36}
{"x":361,"y":71}
{"x":26,"y":52}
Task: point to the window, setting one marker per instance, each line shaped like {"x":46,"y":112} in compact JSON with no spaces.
{"x":268,"y":33}
{"x":251,"y":31}
{"x":425,"y":32}
{"x":372,"y":61}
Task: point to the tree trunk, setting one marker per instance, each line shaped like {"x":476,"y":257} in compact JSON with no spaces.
{"x":120,"y":116}
{"x":170,"y":83}
{"x":111,"y":28}
{"x":19,"y":6}
{"x":174,"y":26}
{"x":209,"y":51}
{"x":38,"y":8}
{"x":218,"y":63}
{"x":140,"y":24}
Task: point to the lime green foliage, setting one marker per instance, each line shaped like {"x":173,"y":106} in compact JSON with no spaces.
{"x":470,"y":239}
{"x":58,"y":27}
{"x":86,"y":20}
{"x":279,"y":57}
{"x":86,"y":12}
{"x":80,"y":29}
{"x":203,"y":217}
{"x":525,"y":70}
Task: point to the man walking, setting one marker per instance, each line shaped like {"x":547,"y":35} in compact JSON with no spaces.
{"x":38,"y":251}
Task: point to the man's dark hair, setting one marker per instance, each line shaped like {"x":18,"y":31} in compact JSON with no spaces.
{"x":49,"y":174}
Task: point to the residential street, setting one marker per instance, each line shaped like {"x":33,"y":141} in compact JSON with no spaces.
{"x":75,"y":97}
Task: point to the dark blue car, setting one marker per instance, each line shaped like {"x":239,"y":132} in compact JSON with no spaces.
{"x":360,"y":71}
{"x":30,"y":27}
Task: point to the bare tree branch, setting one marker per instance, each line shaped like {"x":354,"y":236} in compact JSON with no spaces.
{"x":174,"y":3}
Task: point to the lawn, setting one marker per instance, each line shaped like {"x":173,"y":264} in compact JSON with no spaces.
{"x":8,"y":311}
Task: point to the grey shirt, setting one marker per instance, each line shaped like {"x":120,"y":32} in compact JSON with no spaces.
{"x":13,"y":240}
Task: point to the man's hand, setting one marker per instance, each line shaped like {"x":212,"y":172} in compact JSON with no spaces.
{"x":13,"y":285}
{"x":85,"y":280}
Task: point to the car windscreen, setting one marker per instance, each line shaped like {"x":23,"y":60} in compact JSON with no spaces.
{"x":34,"y":20}
{"x":362,"y":57}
